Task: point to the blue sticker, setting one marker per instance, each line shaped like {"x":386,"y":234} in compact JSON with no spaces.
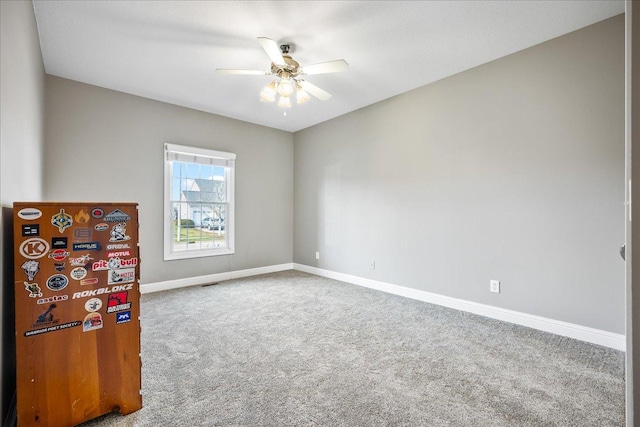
{"x":89,"y":246}
{"x":123,"y":317}
{"x":57,"y":282}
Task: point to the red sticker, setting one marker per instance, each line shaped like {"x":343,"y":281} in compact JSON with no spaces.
{"x":59,"y":254}
{"x":97,"y":213}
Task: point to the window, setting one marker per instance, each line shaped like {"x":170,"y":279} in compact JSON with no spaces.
{"x":198,"y":195}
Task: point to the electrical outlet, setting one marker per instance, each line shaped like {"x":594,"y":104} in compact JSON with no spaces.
{"x":317,"y":255}
{"x":372,"y":265}
{"x":494,"y":286}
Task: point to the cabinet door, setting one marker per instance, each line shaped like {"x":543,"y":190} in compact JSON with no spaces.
{"x":77,"y":311}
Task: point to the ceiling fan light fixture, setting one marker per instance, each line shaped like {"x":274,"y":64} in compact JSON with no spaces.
{"x":284,"y":102}
{"x":289,"y":75}
{"x":285,"y":88}
{"x":268,"y":94}
{"x":301,"y":95}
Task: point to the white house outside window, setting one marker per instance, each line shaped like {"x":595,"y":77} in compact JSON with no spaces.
{"x":199,"y":193}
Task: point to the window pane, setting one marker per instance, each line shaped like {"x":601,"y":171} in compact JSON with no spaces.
{"x":175,"y":189}
{"x":193,"y":170}
{"x":206,"y":171}
{"x":218,"y":172}
{"x":202,"y":212}
{"x":198,"y":196}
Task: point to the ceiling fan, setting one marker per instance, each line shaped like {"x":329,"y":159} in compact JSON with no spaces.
{"x":289,"y":75}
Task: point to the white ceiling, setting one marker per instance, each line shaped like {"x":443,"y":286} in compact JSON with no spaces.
{"x":169,"y":50}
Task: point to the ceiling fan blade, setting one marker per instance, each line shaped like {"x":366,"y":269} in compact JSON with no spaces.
{"x":326,"y":67}
{"x":314,"y":90}
{"x":249,"y":72}
{"x":272,"y":49}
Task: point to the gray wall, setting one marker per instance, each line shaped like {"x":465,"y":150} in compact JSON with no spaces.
{"x":21,"y":140}
{"x":632,"y":379}
{"x":512,"y":171}
{"x":103,"y":145}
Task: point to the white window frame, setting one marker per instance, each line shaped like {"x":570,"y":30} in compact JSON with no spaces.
{"x":202,"y":155}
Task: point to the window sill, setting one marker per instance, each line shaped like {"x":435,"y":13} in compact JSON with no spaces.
{"x":197,"y":254}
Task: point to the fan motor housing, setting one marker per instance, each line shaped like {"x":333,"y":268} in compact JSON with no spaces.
{"x":291,"y":66}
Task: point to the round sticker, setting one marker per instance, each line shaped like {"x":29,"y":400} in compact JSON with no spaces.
{"x":59,"y":254}
{"x":29,"y":213}
{"x":57,"y":282}
{"x":78,"y":273}
{"x":94,"y":304}
{"x":34,"y":248}
{"x":97,"y":213}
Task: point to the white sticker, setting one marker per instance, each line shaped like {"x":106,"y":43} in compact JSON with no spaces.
{"x":34,"y":248}
{"x":125,"y":275}
{"x":92,"y":321}
{"x":94,"y":304}
{"x":78,"y":273}
{"x":29,"y":213}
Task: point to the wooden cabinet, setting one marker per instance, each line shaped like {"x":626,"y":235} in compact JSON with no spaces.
{"x":77,"y":311}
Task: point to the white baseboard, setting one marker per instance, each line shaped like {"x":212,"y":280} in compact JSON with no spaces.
{"x":571,"y":330}
{"x":583,"y":333}
{"x":146,"y":288}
